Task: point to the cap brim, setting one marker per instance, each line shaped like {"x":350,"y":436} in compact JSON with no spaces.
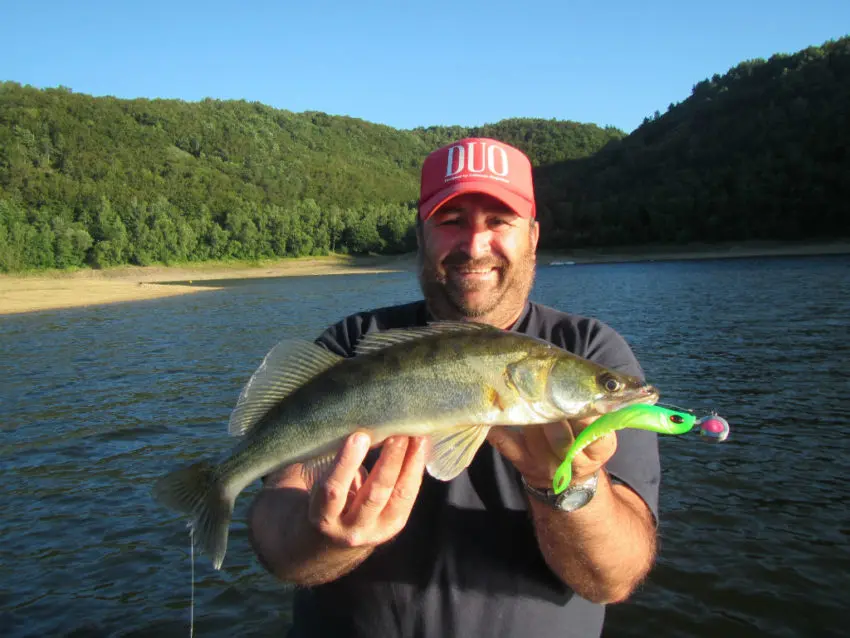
{"x":521,"y":206}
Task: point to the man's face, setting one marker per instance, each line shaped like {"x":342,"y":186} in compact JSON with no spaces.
{"x":477,"y":260}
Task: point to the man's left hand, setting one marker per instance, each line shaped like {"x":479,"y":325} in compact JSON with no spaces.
{"x":537,"y":451}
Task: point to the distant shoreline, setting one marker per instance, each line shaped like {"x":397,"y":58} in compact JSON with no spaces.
{"x":55,"y":290}
{"x":726,"y":250}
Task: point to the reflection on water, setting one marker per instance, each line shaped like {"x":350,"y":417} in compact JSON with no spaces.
{"x":96,"y":403}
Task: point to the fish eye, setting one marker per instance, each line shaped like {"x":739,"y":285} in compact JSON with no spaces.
{"x":611,"y":383}
{"x":675,"y":418}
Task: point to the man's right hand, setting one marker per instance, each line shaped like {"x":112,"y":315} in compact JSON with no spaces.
{"x":311,"y":537}
{"x":352,"y":509}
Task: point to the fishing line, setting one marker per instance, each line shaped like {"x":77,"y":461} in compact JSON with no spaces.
{"x":192,"y":599}
{"x":675,"y":407}
{"x":712,"y":426}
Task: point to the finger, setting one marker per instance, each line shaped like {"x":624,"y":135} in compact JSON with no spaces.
{"x":376,"y":491}
{"x":330,"y":498}
{"x":601,"y":450}
{"x":581,"y":424}
{"x":359,"y":479}
{"x":541,"y":463}
{"x":356,"y":484}
{"x":559,"y":437}
{"x":407,"y":486}
{"x":509,"y":442}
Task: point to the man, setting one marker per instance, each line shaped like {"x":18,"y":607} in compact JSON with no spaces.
{"x":393,"y":552}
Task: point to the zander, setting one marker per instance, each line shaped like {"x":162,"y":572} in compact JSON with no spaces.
{"x":448,"y":381}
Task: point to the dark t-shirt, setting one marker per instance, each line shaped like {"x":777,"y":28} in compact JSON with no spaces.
{"x":467,"y":562}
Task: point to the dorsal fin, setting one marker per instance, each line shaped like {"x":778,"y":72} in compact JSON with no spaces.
{"x":374,"y":341}
{"x":287,"y":366}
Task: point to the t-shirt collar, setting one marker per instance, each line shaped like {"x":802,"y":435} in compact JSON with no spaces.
{"x":526,"y":311}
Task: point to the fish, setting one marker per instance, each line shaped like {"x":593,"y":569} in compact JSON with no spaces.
{"x":447,"y":381}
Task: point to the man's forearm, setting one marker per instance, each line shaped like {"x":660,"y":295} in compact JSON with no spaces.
{"x":288,"y":545}
{"x":603,"y":550}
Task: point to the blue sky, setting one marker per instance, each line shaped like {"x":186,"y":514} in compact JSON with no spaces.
{"x":408,"y":64}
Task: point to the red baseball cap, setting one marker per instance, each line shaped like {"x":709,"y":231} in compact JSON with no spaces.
{"x":477,"y":165}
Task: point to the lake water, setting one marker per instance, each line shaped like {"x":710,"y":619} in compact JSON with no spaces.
{"x":96,"y":403}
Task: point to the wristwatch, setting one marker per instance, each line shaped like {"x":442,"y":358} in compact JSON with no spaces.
{"x":571,"y":499}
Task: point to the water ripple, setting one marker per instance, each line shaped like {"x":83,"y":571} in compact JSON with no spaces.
{"x":97,"y":403}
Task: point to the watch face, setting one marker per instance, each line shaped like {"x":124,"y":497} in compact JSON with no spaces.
{"x":573,"y":500}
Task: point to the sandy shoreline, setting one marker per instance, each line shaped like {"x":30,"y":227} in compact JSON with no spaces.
{"x":54,"y":290}
{"x":46,"y":291}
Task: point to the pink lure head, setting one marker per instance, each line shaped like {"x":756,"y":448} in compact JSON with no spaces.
{"x":714,"y":428}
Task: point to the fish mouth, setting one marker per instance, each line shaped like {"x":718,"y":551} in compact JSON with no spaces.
{"x":645,"y":394}
{"x":648,"y":394}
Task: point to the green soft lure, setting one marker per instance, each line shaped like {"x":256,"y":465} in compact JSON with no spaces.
{"x":640,"y":416}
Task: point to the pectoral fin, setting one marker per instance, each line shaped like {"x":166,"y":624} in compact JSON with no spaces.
{"x":452,"y":453}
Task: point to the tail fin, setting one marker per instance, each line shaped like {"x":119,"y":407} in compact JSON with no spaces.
{"x":195,"y":490}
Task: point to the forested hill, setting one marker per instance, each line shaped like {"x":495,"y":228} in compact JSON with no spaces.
{"x":758,"y":153}
{"x":104,"y":181}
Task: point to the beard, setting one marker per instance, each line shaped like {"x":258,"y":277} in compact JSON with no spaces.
{"x":452,"y":297}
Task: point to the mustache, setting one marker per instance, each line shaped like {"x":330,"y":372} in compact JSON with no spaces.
{"x":462,"y":259}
